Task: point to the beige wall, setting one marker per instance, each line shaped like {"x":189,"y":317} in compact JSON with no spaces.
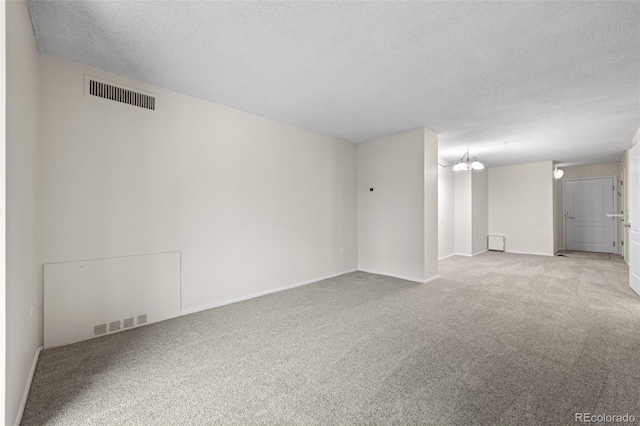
{"x":397,"y":221}
{"x":252,"y":204}
{"x":594,"y":170}
{"x":471,"y":212}
{"x":578,"y":172}
{"x":479,"y":210}
{"x":446,"y":211}
{"x":463,"y":213}
{"x":23,"y":280}
{"x":521,"y":207}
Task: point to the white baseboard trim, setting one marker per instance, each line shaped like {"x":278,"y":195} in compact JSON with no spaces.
{"x":195,"y":309}
{"x":464,"y":255}
{"x":428,"y":280}
{"x":27,"y":386}
{"x":532,"y":254}
{"x":402,"y":277}
{"x":447,"y":256}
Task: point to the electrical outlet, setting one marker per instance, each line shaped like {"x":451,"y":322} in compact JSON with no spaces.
{"x":33,"y":308}
{"x":342,"y":249}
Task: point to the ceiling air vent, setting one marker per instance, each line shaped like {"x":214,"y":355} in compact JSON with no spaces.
{"x":111,"y":92}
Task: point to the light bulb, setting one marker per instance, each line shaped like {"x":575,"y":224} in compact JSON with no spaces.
{"x":476,"y":165}
{"x":558,"y":173}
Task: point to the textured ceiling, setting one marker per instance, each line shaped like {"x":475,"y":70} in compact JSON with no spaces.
{"x":514,"y":82}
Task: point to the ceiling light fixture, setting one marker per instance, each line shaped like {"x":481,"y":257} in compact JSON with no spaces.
{"x":558,"y":173}
{"x":465,"y":163}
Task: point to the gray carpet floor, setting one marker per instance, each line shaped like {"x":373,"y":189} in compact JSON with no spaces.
{"x":499,"y":338}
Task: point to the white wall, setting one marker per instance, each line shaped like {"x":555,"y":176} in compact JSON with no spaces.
{"x":397,"y":221}
{"x":446,"y":211}
{"x":479,"y":210}
{"x":558,"y":219}
{"x":430,"y":216}
{"x":23,"y":277}
{"x":471,"y":212}
{"x":521,"y":207}
{"x":252,"y":204}
{"x":463,"y":213}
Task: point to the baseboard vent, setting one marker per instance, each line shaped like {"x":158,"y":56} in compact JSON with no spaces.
{"x":99,"y":329}
{"x":114,"y":326}
{"x":112,"y":92}
{"x":118,"y":325}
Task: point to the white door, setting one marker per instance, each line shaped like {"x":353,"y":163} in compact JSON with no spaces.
{"x":633,"y":203}
{"x":586,"y":205}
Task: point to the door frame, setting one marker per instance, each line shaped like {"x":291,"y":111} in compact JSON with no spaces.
{"x":3,"y":181}
{"x":615,"y":208}
{"x":634,"y":284}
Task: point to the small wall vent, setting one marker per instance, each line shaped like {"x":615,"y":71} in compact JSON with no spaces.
{"x":115,"y":93}
{"x":495,"y":242}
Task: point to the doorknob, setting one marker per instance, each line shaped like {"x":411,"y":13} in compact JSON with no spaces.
{"x":627,"y":225}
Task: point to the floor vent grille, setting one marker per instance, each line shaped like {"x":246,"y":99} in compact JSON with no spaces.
{"x":112,"y":326}
{"x":120,"y":94}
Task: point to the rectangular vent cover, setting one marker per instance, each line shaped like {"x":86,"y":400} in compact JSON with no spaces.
{"x":99,"y":329}
{"x":495,"y":242}
{"x":120,"y":94}
{"x":114,"y":325}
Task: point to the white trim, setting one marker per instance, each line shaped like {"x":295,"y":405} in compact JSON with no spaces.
{"x":447,"y":256}
{"x":592,"y":177}
{"x":3,"y":183}
{"x":195,"y":309}
{"x":416,"y":280}
{"x":428,"y":280}
{"x":532,"y":254}
{"x":27,"y":386}
{"x":460,"y":254}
